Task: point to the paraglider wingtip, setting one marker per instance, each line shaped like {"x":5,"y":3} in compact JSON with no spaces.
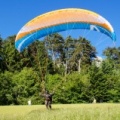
{"x":114,"y":37}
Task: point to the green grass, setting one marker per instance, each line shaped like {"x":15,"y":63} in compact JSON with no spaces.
{"x":61,"y":112}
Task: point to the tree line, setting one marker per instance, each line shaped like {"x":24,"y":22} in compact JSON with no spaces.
{"x":66,"y":66}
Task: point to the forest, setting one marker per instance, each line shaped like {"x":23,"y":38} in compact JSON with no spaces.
{"x":68,"y":67}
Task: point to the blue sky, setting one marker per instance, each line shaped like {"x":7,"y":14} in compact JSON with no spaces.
{"x":15,"y":13}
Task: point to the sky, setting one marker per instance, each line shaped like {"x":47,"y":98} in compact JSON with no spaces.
{"x":14,"y":14}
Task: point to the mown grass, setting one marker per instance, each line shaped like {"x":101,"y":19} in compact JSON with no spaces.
{"x":61,"y":112}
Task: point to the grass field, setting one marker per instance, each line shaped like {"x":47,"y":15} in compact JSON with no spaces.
{"x":61,"y":112}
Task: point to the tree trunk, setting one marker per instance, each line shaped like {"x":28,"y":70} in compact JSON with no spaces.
{"x":79,"y":62}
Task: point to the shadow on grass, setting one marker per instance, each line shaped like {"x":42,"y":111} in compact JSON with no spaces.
{"x":43,"y":110}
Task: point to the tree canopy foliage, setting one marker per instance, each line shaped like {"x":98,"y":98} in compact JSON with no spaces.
{"x":62,"y":65}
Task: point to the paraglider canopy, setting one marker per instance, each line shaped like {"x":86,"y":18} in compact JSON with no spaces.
{"x":61,"y":20}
